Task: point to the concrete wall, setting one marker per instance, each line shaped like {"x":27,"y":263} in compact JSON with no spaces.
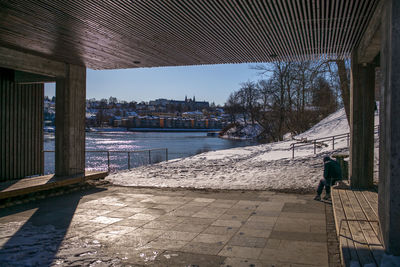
{"x":389,"y":136}
{"x":21,"y":128}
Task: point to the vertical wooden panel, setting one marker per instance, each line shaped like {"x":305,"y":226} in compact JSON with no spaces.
{"x":24,"y":129}
{"x":3,"y":127}
{"x":41,"y":111}
{"x":30,"y":135}
{"x":18,"y":132}
{"x":34,"y":132}
{"x":21,"y":132}
{"x":14,"y":131}
{"x":7,"y":143}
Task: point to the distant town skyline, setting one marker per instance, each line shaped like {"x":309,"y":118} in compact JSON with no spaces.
{"x":212,"y":83}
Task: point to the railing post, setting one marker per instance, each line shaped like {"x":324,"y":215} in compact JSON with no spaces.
{"x":149,"y":156}
{"x":108,"y":161}
{"x":129,"y":160}
{"x":166,"y":154}
{"x":42,"y":164}
{"x":292,"y":151}
{"x":315,"y":146}
{"x":333,"y":142}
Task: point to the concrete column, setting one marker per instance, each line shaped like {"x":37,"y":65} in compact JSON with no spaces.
{"x":389,"y":146}
{"x":362,"y":91}
{"x":70,"y":122}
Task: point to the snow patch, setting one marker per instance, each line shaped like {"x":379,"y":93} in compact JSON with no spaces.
{"x":243,"y":132}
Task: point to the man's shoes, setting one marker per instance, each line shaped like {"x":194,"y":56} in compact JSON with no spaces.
{"x":317,"y":197}
{"x":327,"y":197}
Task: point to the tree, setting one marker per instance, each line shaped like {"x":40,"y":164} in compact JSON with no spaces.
{"x":281,"y":84}
{"x":291,"y":97}
{"x":343,"y":74}
{"x":233,"y":106}
{"x":250,"y":94}
{"x":323,"y":97}
{"x":132,"y":105}
{"x":112,"y":101}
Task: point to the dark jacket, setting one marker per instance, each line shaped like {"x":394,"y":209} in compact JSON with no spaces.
{"x":332,"y":170}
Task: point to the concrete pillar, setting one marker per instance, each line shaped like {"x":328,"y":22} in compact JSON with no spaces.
{"x":362,"y":91}
{"x":389,"y":146}
{"x":70,"y":122}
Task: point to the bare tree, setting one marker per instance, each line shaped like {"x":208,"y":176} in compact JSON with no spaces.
{"x":287,"y":96}
{"x":343,"y":74}
{"x":323,"y":98}
{"x":233,"y":106}
{"x":249,"y":95}
{"x":291,"y":97}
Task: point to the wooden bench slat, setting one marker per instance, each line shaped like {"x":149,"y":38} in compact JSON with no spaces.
{"x":345,"y":234}
{"x":370,"y":235}
{"x":338,"y":211}
{"x":368,"y":212}
{"x":346,"y":245}
{"x":372,"y":199}
{"x":360,"y":243}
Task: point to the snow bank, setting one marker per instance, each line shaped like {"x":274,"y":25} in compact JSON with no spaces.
{"x":267,"y":166}
{"x":243,"y":132}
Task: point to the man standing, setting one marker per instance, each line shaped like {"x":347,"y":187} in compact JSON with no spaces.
{"x":332,"y":173}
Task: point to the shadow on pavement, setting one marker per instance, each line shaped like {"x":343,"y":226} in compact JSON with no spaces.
{"x":36,"y":241}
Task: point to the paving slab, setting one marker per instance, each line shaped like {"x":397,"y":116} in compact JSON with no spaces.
{"x":123,"y":226}
{"x":295,"y":252}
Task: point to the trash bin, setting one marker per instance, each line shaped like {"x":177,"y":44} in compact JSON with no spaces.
{"x":344,"y":165}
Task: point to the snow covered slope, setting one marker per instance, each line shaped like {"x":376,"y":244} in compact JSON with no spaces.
{"x":267,"y":166}
{"x":334,"y":124}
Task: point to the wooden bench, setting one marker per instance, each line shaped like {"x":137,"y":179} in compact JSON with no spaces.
{"x":42,"y":183}
{"x":357,"y":225}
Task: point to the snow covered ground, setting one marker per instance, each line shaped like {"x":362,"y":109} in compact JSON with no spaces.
{"x":243,"y":132}
{"x":267,"y":166}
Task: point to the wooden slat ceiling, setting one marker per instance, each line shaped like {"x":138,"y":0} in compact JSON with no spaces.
{"x":114,"y":34}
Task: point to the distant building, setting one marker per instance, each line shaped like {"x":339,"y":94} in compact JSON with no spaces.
{"x":191,"y":104}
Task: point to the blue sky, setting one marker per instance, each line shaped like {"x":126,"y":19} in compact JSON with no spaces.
{"x":211,"y":83}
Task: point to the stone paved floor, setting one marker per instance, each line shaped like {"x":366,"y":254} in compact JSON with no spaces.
{"x":131,"y":226}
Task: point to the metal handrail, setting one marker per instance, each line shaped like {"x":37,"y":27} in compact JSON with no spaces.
{"x":316,"y":141}
{"x":122,"y":151}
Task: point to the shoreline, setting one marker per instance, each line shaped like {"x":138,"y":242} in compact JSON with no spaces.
{"x":172,"y":130}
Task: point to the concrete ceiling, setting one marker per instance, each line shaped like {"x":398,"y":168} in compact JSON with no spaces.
{"x":112,"y":34}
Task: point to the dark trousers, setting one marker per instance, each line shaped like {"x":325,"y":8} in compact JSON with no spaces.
{"x":323,"y":182}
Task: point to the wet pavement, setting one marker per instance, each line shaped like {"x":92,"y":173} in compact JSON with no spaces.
{"x":121,"y":226}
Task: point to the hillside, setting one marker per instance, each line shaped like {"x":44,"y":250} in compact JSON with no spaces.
{"x":267,"y":166}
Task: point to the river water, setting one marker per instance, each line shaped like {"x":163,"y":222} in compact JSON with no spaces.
{"x":179,"y":145}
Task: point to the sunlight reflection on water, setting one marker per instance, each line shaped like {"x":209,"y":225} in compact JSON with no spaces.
{"x":179,"y":145}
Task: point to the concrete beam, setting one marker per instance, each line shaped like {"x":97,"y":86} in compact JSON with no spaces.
{"x":370,"y":43}
{"x":362,"y":91}
{"x":16,"y":60}
{"x":389,"y":141}
{"x":70,"y":122}
{"x":21,"y":77}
